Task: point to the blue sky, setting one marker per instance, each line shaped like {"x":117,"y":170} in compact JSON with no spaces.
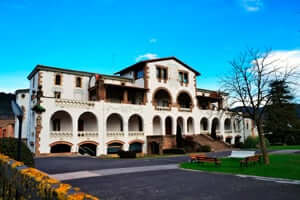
{"x":106,"y":35}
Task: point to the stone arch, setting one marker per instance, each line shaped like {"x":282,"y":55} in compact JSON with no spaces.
{"x":157,"y":125}
{"x":87,"y":121}
{"x":184,"y":99}
{"x":115,"y":141}
{"x":190,"y":125}
{"x":114,"y":122}
{"x":135,"y":123}
{"x":136,"y":146}
{"x":204,"y":124}
{"x":61,"y":121}
{"x":162,"y":97}
{"x":168,"y":125}
{"x":114,"y":146}
{"x":227,"y":124}
{"x":61,"y":147}
{"x":88,"y":147}
{"x":215,"y":127}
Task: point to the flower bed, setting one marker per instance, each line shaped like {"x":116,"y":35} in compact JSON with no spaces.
{"x":16,"y":179}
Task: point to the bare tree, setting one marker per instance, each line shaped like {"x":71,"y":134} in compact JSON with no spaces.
{"x":248,"y":85}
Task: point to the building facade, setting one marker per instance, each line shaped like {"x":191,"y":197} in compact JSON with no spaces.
{"x":75,"y":111}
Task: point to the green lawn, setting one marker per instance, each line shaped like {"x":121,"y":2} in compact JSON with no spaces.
{"x":285,"y":147}
{"x":282,"y":166}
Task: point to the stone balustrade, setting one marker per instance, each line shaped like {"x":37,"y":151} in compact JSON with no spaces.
{"x":185,"y":109}
{"x":115,"y":133}
{"x":87,"y":134}
{"x":227,"y":131}
{"x":61,"y":133}
{"x":162,"y":108}
{"x":74,"y":103}
{"x":136,"y":133}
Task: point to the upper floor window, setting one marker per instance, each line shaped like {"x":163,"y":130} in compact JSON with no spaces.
{"x":57,"y":95}
{"x":139,"y":74}
{"x":183,"y":77}
{"x":57,"y":79}
{"x":78,"y":82}
{"x":162,"y":73}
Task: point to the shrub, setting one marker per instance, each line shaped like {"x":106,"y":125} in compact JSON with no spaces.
{"x":9,"y":147}
{"x":253,"y":142}
{"x":239,"y":145}
{"x":127,"y":154}
{"x":173,"y":151}
{"x":205,"y":148}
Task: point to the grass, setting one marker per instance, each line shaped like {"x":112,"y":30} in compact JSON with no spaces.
{"x":285,"y":147}
{"x":282,"y":166}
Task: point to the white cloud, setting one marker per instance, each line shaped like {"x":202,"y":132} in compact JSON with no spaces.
{"x":153,"y":40}
{"x":252,"y":5}
{"x":147,"y":56}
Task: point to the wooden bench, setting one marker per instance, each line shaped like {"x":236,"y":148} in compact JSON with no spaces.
{"x":202,"y":158}
{"x":251,"y":159}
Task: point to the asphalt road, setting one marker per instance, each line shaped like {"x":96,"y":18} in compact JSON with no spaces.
{"x":164,"y":184}
{"x":184,"y":185}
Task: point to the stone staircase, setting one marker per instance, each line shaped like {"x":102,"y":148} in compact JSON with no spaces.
{"x":215,"y":145}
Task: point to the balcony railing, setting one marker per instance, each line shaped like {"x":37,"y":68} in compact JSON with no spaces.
{"x":71,"y":102}
{"x":227,"y":131}
{"x":115,"y":133}
{"x":162,"y":108}
{"x":87,"y":134}
{"x":61,"y":133}
{"x":136,"y":133}
{"x":185,"y":109}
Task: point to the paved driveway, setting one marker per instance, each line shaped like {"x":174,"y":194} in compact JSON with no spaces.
{"x":132,"y":179}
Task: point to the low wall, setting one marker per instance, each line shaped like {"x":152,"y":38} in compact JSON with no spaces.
{"x":17,"y":181}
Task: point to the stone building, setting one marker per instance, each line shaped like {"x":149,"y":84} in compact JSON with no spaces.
{"x":140,"y":108}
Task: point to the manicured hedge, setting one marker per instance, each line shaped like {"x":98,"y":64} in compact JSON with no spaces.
{"x":205,"y":148}
{"x":33,"y":184}
{"x":253,"y":142}
{"x":9,"y":146}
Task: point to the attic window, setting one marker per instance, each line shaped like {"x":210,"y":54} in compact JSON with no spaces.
{"x":139,"y":74}
{"x":78,"y":82}
{"x":57,"y":79}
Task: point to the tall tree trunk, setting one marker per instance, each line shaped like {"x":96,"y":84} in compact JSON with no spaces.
{"x":262,"y":143}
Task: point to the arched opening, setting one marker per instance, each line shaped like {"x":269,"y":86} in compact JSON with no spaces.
{"x":179,"y":132}
{"x":114,"y":147}
{"x":157,"y":130}
{"x":168,"y":126}
{"x":228,"y":139}
{"x":114,"y":123}
{"x":162,"y":99}
{"x":154,"y":147}
{"x":215,"y":127}
{"x":204,"y":124}
{"x":227,"y":124}
{"x":135,"y":124}
{"x":87,"y":122}
{"x":60,"y":148}
{"x":136,"y":147}
{"x":237,"y":139}
{"x":61,"y":121}
{"x":190,"y":126}
{"x":88,"y":149}
{"x":184,"y":100}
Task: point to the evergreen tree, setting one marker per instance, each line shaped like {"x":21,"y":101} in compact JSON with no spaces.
{"x":281,"y":116}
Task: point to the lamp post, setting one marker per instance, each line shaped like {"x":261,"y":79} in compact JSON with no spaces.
{"x":19,"y":114}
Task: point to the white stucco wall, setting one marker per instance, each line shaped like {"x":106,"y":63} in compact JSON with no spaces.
{"x":102,"y":110}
